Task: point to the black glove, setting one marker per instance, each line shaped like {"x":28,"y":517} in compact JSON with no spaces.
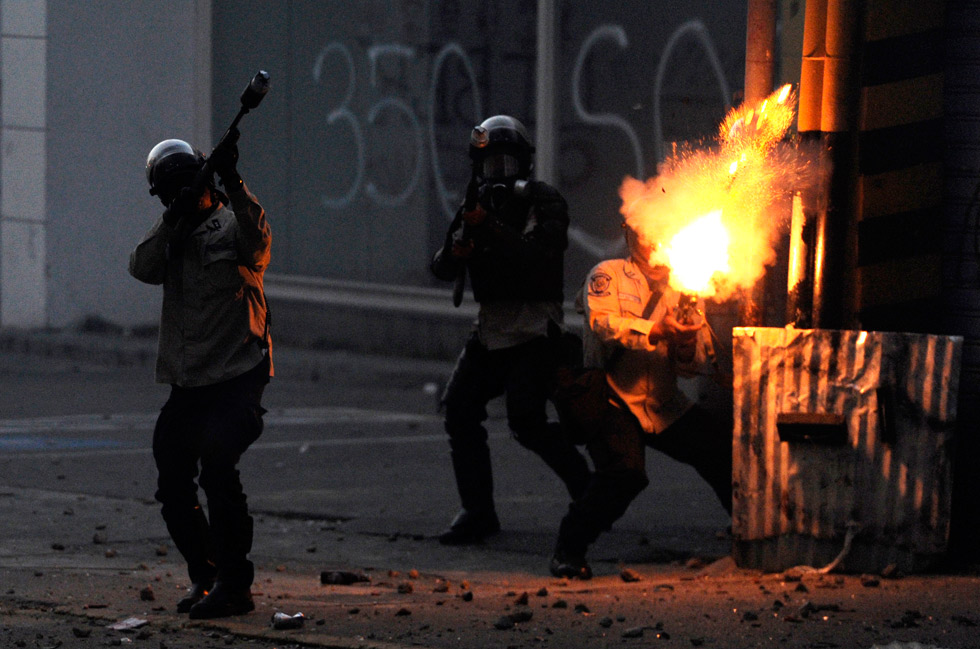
{"x":183,"y":206}
{"x":224,"y":160}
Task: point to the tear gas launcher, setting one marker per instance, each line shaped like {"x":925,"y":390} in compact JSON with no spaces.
{"x":520,"y":188}
{"x":469,"y":204}
{"x":251,"y":97}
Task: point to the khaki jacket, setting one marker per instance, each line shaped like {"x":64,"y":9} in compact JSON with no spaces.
{"x":213,"y":322}
{"x":643,"y":375}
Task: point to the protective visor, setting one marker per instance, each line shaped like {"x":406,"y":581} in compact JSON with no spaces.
{"x":501,"y":165}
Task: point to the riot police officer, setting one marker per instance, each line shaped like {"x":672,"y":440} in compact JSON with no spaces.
{"x":634,"y":331}
{"x":509,"y":236}
{"x":209,"y":250}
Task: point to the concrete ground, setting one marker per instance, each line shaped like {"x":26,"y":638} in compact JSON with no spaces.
{"x":76,"y":562}
{"x":418,"y":593}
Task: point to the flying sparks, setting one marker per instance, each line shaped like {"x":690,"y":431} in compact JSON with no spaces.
{"x":715,"y":210}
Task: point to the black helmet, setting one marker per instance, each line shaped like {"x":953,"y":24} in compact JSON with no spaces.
{"x":501,"y":148}
{"x":171,"y":166}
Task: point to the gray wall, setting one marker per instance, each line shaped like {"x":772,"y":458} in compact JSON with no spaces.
{"x":23,"y":218}
{"x":121,"y":76}
{"x":359,"y":151}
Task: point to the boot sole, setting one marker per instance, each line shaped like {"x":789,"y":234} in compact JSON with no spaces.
{"x":224,"y":612}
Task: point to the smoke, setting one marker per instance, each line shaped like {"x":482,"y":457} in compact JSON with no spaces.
{"x":749,"y":173}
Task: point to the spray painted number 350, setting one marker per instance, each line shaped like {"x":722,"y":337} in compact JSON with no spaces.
{"x":343,"y":113}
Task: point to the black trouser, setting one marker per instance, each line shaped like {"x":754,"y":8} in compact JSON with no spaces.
{"x":210,"y":425}
{"x":523,"y":374}
{"x":618,"y":453}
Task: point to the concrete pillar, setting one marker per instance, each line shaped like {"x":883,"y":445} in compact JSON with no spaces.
{"x":834,"y":271}
{"x":760,"y":50}
{"x":23,"y":163}
{"x":829,"y":110}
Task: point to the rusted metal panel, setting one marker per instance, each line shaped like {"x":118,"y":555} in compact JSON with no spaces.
{"x":888,"y":476}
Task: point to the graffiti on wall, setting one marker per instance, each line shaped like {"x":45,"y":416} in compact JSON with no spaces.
{"x":384,"y":96}
{"x":422,"y":137}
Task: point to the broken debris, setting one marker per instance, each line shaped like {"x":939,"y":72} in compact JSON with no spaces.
{"x":284,"y":621}
{"x":342,"y":577}
{"x":129,"y":624}
{"x":629,"y":575}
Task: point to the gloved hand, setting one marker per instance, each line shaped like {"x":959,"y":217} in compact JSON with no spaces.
{"x":224,"y":160}
{"x":181,"y":207}
{"x":462,"y":248}
{"x":475,"y":216}
{"x":675,"y":332}
{"x":681,"y":336}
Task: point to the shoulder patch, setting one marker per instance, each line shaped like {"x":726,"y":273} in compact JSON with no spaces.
{"x":599,"y":283}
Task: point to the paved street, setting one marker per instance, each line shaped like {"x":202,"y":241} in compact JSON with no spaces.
{"x":362,"y":443}
{"x":352,"y":474}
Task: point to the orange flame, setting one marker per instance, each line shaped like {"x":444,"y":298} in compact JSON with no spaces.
{"x":697,"y":253}
{"x":712,"y":208}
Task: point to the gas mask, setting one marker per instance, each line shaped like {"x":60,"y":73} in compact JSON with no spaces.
{"x":500,"y":171}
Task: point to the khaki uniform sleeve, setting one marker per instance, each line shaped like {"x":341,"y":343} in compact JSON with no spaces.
{"x":254,"y":233}
{"x":605,"y":315}
{"x":148,"y":261}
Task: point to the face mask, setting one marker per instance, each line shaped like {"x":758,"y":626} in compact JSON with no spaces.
{"x":500,"y":166}
{"x":497,"y":194}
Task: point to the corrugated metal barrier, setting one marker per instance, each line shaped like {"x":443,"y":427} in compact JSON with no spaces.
{"x":842,"y":439}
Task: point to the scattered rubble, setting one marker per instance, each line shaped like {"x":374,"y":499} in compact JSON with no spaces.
{"x":284,"y":621}
{"x":128,"y":624}
{"x":870,"y":581}
{"x":342,"y":577}
{"x":512,"y":619}
{"x":629,"y":575}
{"x":442,"y":586}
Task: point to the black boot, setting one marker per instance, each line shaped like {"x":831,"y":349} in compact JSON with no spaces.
{"x":474,"y":481}
{"x":232,"y":531}
{"x":575,"y":535}
{"x":570,"y":565}
{"x":470,"y":527}
{"x":195,"y":594}
{"x":223,"y":601}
